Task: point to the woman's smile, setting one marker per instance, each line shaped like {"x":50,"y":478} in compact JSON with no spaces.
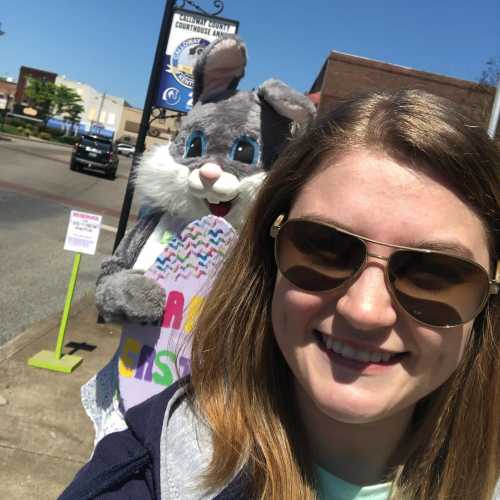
{"x":361,"y":358}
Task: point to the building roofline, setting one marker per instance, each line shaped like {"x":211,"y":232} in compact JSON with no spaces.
{"x":318,"y":82}
{"x":401,"y":70}
{"x":40,"y":70}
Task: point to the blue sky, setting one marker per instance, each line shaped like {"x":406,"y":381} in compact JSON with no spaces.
{"x":110,"y":44}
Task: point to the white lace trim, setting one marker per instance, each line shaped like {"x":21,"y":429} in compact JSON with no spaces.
{"x":101,"y":402}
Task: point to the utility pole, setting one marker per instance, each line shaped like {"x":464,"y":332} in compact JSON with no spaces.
{"x":99,"y":111}
{"x":495,"y":112}
{"x":100,"y":107}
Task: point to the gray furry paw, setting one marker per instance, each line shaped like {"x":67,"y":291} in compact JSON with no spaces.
{"x":130,"y":296}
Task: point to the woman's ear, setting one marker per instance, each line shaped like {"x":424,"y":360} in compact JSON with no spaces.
{"x":219,"y":68}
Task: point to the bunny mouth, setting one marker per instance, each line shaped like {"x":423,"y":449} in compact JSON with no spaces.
{"x":220,"y":209}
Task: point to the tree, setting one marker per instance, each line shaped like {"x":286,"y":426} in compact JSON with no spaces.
{"x":51,"y":99}
{"x":41,"y":95}
{"x":68,"y":104}
{"x":74,"y":113}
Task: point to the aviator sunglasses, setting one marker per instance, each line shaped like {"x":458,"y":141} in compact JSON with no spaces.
{"x":435,"y":288}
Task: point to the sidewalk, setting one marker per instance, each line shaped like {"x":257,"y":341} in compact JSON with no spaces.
{"x":45,"y":435}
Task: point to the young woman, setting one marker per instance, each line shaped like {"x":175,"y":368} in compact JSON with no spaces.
{"x":350,"y":346}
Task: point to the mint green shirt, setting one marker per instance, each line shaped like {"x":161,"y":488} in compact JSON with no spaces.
{"x":333,"y":488}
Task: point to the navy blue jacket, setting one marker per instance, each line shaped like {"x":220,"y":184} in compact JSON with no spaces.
{"x":126,"y":465}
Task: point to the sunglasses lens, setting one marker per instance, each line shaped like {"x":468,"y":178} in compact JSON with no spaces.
{"x":316,"y":257}
{"x":439,"y":290}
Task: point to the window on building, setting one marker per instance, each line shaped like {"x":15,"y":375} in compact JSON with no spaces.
{"x":132,"y":126}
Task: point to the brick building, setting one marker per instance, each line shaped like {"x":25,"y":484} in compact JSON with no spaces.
{"x":24,"y":73}
{"x":344,"y":75}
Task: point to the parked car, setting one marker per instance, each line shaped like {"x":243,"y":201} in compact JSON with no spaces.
{"x":125,"y":149}
{"x":94,"y":152}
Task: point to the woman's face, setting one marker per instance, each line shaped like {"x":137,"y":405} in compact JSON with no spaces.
{"x":373,"y":195}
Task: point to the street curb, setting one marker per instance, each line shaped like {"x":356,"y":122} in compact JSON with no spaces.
{"x":41,"y":328}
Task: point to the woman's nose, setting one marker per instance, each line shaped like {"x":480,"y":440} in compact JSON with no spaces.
{"x":367,"y":303}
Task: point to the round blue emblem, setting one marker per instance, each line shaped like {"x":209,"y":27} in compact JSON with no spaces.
{"x":184,"y":57}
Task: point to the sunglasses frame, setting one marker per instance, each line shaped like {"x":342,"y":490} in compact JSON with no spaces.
{"x":494,"y":284}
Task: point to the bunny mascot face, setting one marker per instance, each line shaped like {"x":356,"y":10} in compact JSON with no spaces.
{"x":226,"y":143}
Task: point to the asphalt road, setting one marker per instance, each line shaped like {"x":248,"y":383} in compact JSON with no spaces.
{"x":37,"y":192}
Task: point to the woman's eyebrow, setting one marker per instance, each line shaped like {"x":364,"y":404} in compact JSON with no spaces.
{"x":329,"y":222}
{"x":452,"y":246}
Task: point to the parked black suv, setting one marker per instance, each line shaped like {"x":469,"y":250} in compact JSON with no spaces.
{"x":94,"y":152}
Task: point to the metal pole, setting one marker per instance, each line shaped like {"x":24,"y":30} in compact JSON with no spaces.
{"x":67,"y":305}
{"x":99,"y":111}
{"x":144,"y":126}
{"x":495,"y":112}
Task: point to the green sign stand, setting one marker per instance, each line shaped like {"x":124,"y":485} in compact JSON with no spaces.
{"x":54,"y":360}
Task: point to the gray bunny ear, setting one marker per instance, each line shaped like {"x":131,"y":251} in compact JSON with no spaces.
{"x":286,"y":101}
{"x":219,"y":68}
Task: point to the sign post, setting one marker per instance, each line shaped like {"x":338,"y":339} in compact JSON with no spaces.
{"x":183,"y":33}
{"x":144,"y":125}
{"x":82,"y":235}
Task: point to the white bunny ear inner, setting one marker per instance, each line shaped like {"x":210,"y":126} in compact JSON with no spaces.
{"x":220,"y":67}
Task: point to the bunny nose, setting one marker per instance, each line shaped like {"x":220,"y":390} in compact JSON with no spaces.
{"x":209,"y":173}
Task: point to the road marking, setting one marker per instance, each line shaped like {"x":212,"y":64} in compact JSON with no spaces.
{"x":64,"y":161}
{"x":111,"y":229}
{"x":69,"y":202}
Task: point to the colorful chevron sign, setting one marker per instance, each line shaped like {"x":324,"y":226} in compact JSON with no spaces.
{"x":196,"y":251}
{"x":152,"y":357}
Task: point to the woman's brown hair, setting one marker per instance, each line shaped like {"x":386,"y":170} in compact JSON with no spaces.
{"x":241,"y":383}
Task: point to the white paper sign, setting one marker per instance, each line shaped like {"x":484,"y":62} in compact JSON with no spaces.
{"x":83,"y":232}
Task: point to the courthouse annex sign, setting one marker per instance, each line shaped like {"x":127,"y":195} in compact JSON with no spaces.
{"x":203,"y":25}
{"x":190,"y":34}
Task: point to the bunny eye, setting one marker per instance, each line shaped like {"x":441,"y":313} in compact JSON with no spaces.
{"x":245,"y":150}
{"x":195,"y":144}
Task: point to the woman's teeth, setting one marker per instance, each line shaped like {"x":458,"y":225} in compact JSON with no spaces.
{"x":350,"y":352}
